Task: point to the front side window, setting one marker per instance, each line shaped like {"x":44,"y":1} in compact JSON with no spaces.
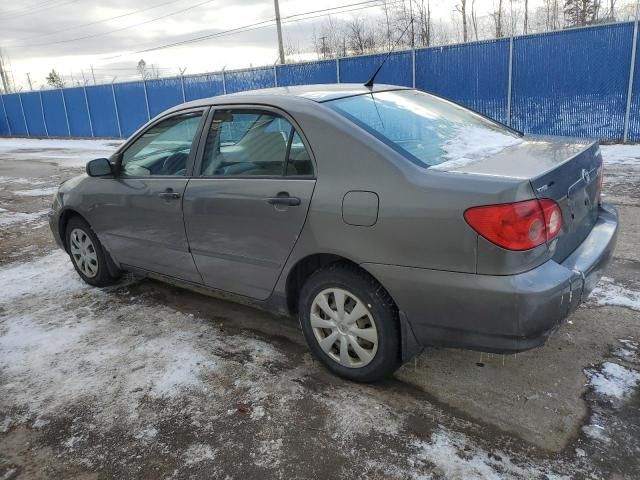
{"x":427,"y":130}
{"x":253,"y":143}
{"x":163,"y":149}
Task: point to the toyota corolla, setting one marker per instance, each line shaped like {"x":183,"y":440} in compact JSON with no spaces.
{"x":385,"y":218}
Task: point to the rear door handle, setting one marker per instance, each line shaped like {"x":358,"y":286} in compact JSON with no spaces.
{"x":283,"y":198}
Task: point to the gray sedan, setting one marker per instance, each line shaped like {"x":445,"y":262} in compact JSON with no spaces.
{"x":385,"y":218}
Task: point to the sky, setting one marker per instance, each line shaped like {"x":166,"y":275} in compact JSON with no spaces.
{"x":39,"y":35}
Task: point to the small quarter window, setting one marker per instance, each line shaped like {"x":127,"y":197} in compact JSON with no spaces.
{"x":299,"y":162}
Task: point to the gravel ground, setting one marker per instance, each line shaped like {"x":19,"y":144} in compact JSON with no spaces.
{"x":144,"y":380}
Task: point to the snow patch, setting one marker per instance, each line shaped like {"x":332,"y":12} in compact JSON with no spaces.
{"x":454,"y":457}
{"x":608,"y":293}
{"x":8,"y":218}
{"x":470,"y":144}
{"x":629,"y":350}
{"x":198,"y":453}
{"x":268,"y":454}
{"x":36,"y":192}
{"x":613,"y":380}
{"x":21,"y":181}
{"x":51,"y":275}
{"x":626,"y":155}
{"x":64,"y":152}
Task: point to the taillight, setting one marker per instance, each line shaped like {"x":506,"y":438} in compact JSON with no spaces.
{"x":517,"y":226}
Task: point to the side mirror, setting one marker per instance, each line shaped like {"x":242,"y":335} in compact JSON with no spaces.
{"x":100,"y":167}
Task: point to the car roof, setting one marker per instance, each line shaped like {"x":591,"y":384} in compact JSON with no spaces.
{"x":316,"y":93}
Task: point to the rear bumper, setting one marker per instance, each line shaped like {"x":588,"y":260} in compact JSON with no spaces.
{"x":508,"y":313}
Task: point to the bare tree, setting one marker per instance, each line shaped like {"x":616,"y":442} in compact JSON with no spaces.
{"x":361,"y":39}
{"x":462,"y":9}
{"x":474,"y":19}
{"x":497,"y":19}
{"x":424,"y":24}
{"x":387,"y":15}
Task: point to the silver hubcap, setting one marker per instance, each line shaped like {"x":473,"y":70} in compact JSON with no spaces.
{"x":83,"y":252}
{"x":344,"y":327}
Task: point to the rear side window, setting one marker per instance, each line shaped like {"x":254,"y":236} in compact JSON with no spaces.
{"x":253,"y":143}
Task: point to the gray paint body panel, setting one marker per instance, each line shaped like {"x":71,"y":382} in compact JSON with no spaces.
{"x":454,"y":287}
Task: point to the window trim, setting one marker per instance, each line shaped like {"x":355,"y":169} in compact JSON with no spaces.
{"x":197,"y":167}
{"x":204,"y":111}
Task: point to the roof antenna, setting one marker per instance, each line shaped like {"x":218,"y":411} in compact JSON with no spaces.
{"x":369,"y":83}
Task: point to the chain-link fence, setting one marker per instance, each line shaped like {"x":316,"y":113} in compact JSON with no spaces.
{"x":579,"y":82}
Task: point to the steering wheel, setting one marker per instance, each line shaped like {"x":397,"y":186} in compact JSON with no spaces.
{"x":175,"y":163}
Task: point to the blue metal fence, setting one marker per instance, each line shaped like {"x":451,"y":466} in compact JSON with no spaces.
{"x":572,"y":82}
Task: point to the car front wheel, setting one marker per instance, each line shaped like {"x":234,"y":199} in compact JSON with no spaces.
{"x":350,"y":323}
{"x":87,"y":255}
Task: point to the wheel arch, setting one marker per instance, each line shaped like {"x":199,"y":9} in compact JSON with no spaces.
{"x":306,"y":266}
{"x":66,"y":215}
{"x":302,"y":270}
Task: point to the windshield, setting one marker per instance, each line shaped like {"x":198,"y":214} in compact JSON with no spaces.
{"x":428,"y":130}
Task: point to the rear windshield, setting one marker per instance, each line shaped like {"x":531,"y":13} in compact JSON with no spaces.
{"x":427,"y":130}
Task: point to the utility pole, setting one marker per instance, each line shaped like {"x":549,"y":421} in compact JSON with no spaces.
{"x":324,"y":46}
{"x":93,"y":75}
{"x":279,"y":27}
{"x":29,"y":80}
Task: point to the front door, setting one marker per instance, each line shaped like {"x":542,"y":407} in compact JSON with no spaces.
{"x":248,"y":200}
{"x":141,"y":216}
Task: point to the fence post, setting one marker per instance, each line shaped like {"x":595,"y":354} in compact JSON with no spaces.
{"x":224,"y":83}
{"x":275,"y":75}
{"x":66,"y":114}
{"x":146,"y":99}
{"x":86,"y":102}
{"x":337,"y":69}
{"x":6,"y":117}
{"x":413,"y":67}
{"x":24,"y":117}
{"x":44,"y":119}
{"x":115,"y":106}
{"x":627,"y":113}
{"x":510,"y":81}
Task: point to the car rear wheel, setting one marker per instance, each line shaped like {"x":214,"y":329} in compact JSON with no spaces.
{"x":350,"y":323}
{"x":87,"y":255}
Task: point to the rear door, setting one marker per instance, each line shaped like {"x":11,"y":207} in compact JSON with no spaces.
{"x":248,"y":199}
{"x":140,"y":214}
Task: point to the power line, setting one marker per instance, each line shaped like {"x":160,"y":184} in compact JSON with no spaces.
{"x":75,"y":27}
{"x":115,"y":30}
{"x":55,"y":4}
{"x":265,"y":23}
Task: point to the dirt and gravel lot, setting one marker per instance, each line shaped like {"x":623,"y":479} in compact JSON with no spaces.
{"x":144,"y":380}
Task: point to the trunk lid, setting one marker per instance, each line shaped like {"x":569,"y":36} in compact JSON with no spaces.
{"x":566,"y":171}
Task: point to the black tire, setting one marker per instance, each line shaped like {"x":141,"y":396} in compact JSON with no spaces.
{"x":383,"y":312}
{"x":103,"y":277}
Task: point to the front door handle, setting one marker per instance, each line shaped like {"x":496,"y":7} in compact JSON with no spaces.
{"x":283,"y":198}
{"x":169,"y":194}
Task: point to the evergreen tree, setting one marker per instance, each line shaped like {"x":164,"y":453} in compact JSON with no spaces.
{"x":578,"y":13}
{"x":55,"y":80}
